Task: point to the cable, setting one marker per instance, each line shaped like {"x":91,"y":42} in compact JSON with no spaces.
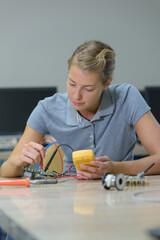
{"x":71,"y":174}
{"x":135,"y":196}
{"x":41,"y":164}
{"x":50,"y":160}
{"x":141,"y":174}
{"x":63,"y":144}
{"x":54,"y":153}
{"x":57,"y":149}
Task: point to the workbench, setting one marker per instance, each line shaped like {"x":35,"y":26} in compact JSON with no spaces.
{"x":77,"y":209}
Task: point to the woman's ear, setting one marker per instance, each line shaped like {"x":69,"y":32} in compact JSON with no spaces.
{"x":108,"y":83}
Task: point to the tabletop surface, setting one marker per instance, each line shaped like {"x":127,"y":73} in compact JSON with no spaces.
{"x":76,"y":209}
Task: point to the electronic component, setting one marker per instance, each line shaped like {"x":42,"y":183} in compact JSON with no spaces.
{"x":83,"y":157}
{"x":40,"y":172}
{"x":120,"y":180}
{"x":110,"y":180}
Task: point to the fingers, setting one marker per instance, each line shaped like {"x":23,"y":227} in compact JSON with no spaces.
{"x":90,"y":172}
{"x":103,"y":159}
{"x":32,"y":153}
{"x":101,"y":165}
{"x":87,"y":176}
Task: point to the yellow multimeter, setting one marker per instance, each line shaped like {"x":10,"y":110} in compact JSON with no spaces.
{"x":83,"y":157}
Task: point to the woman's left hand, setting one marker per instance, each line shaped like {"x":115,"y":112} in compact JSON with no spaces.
{"x":101,"y":165}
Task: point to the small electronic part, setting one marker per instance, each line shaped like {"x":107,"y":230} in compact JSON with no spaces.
{"x":110,"y":180}
{"x":134,"y":180}
{"x":39,"y":171}
{"x":120,"y":180}
{"x":82,"y":157}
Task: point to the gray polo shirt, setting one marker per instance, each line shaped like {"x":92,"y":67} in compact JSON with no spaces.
{"x":111,"y":131}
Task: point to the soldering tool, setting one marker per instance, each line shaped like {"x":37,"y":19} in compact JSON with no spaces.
{"x":26,"y":182}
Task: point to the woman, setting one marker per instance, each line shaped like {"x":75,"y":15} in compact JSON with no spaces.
{"x":93,"y":114}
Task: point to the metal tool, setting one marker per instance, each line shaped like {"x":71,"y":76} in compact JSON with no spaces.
{"x":110,"y":180}
{"x":120,"y":180}
{"x":141,"y":174}
{"x":26,"y":182}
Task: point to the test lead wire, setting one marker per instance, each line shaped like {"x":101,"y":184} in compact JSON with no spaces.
{"x":141,"y":174}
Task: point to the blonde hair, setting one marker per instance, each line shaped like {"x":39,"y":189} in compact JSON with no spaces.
{"x":94,"y":56}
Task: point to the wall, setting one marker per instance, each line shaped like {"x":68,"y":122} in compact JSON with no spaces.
{"x":38,"y":36}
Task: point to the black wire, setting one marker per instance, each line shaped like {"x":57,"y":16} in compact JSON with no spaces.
{"x":63,"y":144}
{"x":50,"y":160}
{"x":54,"y":153}
{"x":149,"y":167}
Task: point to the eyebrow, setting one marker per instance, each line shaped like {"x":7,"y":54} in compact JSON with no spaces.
{"x":84,"y":85}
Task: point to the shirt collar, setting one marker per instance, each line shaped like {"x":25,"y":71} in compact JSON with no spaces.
{"x":72,"y":117}
{"x":106,"y":108}
{"x":107,"y":103}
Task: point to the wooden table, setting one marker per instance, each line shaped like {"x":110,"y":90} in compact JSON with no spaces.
{"x":76,"y":210}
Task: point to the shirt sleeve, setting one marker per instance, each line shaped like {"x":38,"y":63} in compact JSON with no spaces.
{"x":135,"y":104}
{"x":37,"y":119}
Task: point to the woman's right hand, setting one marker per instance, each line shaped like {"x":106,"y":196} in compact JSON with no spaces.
{"x":27,"y":151}
{"x":31,"y":153}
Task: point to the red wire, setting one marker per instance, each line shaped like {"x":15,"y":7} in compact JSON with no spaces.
{"x":58,"y":152}
{"x":41,"y":164}
{"x":70,"y":173}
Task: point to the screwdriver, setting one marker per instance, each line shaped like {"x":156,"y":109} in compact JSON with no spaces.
{"x":26,"y":182}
